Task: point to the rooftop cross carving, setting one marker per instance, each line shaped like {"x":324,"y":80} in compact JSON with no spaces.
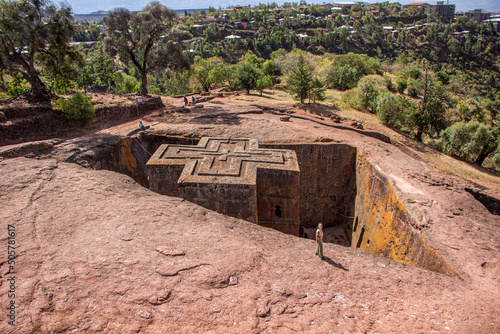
{"x":215,"y":160}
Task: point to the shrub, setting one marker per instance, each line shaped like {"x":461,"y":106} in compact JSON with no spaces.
{"x":443,"y":77}
{"x":369,"y":88}
{"x":465,"y":140}
{"x":363,"y":64}
{"x":413,"y":88}
{"x":402,"y":84}
{"x":17,"y":85}
{"x":350,"y":97}
{"x":390,"y":109}
{"x":125,"y":83}
{"x":389,"y":84}
{"x":341,"y":78}
{"x":413,"y":73}
{"x":77,"y":107}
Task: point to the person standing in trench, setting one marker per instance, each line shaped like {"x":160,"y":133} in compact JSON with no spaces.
{"x":319,"y":241}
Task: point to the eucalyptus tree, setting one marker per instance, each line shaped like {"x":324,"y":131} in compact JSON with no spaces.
{"x":35,"y":33}
{"x":151,"y":39}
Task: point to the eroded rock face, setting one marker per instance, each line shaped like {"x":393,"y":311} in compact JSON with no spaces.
{"x":99,"y":253}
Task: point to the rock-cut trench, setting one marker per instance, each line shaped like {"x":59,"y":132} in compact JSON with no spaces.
{"x":338,"y":186}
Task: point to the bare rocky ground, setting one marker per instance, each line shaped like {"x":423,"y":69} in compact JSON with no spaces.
{"x":99,"y":253}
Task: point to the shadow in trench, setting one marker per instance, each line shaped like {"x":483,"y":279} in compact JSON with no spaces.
{"x":333,"y":263}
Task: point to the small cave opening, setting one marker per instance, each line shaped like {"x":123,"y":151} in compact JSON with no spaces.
{"x":338,"y":187}
{"x":277,"y":211}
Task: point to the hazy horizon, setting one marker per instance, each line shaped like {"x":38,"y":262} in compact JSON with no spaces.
{"x":90,"y":6}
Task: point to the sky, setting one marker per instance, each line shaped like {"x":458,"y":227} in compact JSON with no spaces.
{"x":89,"y":6}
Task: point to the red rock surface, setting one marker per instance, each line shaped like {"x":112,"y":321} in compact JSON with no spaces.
{"x":99,"y":253}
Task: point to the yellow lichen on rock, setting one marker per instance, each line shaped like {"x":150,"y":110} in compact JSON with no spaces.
{"x":382,"y":226}
{"x":127,"y":160}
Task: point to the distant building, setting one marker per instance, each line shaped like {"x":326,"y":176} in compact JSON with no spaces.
{"x":198,"y":28}
{"x":446,"y":11}
{"x":478,"y":15}
{"x":495,"y":21}
{"x":327,"y":6}
{"x":411,"y":30}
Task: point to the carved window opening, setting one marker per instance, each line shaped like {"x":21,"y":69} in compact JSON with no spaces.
{"x":277,"y":212}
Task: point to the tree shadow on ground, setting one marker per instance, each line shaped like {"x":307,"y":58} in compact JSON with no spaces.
{"x":317,"y":109}
{"x":333,"y":263}
{"x":266,"y":95}
{"x":220,"y":118}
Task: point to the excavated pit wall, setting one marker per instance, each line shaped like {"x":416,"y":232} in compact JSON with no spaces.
{"x":327,"y":182}
{"x":338,"y":186}
{"x":382,"y":225}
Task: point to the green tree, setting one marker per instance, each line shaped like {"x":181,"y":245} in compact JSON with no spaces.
{"x":211,"y":32}
{"x":269,"y":68}
{"x":454,"y":47}
{"x":491,"y":148}
{"x":413,"y":87}
{"x":209,"y":72}
{"x":150,"y":39}
{"x":103,"y":67}
{"x":29,"y":29}
{"x":317,"y":90}
{"x":125,"y":83}
{"x":470,"y":141}
{"x":341,"y":78}
{"x":247,"y":75}
{"x":363,"y":64}
{"x":429,"y":117}
{"x":264,"y":82}
{"x":99,"y":70}
{"x":300,"y":80}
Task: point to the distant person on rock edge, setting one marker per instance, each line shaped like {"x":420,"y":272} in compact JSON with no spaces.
{"x":319,"y":241}
{"x":185,"y":100}
{"x":141,"y":126}
{"x":192,"y":100}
